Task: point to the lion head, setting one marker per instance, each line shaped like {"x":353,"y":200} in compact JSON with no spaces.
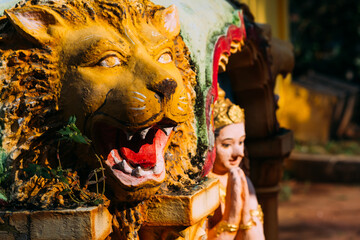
{"x":121,"y":68}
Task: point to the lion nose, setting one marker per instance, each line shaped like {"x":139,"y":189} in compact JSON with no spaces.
{"x":165,"y":87}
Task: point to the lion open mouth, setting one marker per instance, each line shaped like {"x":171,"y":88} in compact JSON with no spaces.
{"x":134,"y":158}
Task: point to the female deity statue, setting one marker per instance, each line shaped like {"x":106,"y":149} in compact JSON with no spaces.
{"x":239,"y":215}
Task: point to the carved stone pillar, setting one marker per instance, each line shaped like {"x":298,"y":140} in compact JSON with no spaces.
{"x":267,"y":158}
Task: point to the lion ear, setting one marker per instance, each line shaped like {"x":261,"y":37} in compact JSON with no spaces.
{"x":168,"y":21}
{"x":37,"y":24}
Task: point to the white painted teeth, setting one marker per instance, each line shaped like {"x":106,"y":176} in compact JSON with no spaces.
{"x":129,"y":136}
{"x":116,"y":159}
{"x":158,"y":168}
{"x":126,"y":167}
{"x":167,"y":130}
{"x":138,"y":172}
{"x":144,"y":132}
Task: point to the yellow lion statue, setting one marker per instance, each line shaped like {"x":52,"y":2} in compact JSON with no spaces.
{"x":122,"y":69}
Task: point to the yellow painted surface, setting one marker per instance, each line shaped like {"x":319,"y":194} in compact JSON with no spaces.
{"x":273,"y":12}
{"x":182,"y":209}
{"x":128,"y":78}
{"x":307,"y":112}
{"x":82,"y":223}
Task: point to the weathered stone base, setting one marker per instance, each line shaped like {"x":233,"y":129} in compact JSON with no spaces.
{"x":81,"y":223}
{"x":165,"y":217}
{"x":181,"y":216}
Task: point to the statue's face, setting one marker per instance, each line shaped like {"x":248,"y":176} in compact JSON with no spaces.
{"x":133,"y":96}
{"x":229,"y":148}
{"x":123,"y":86}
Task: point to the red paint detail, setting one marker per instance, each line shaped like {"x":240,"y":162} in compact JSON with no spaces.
{"x":110,"y":158}
{"x":209,"y":162}
{"x":147,"y":155}
{"x":223,"y":45}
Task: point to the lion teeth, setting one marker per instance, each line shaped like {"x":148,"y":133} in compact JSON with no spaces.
{"x":129,"y":136}
{"x":144,"y":132}
{"x":116,"y":159}
{"x":222,"y":66}
{"x":121,"y":166}
{"x":167,"y":130}
{"x":224,"y":58}
{"x":139,"y":172}
{"x":235,"y":46}
{"x":223,"y":61}
{"x":158,"y":168}
{"x":136,"y":172}
{"x":125,"y":167}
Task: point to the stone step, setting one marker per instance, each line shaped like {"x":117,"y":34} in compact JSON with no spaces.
{"x":324,"y":167}
{"x":81,"y":223}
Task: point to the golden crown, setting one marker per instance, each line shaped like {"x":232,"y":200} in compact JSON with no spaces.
{"x":225,"y":112}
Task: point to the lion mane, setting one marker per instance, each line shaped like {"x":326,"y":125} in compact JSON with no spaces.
{"x":31,"y":84}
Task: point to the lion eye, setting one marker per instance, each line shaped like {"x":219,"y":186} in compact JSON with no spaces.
{"x":109,"y":61}
{"x":165,"y":58}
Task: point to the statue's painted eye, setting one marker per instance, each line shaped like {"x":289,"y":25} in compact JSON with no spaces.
{"x":165,"y":58}
{"x":109,"y":61}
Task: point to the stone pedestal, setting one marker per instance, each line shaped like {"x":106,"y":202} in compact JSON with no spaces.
{"x":180,"y":216}
{"x":168,"y":216}
{"x":81,"y":223}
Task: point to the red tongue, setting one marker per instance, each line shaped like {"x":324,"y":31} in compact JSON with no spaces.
{"x":146,"y":157}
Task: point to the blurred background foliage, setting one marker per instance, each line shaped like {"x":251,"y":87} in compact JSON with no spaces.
{"x":326,"y":37}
